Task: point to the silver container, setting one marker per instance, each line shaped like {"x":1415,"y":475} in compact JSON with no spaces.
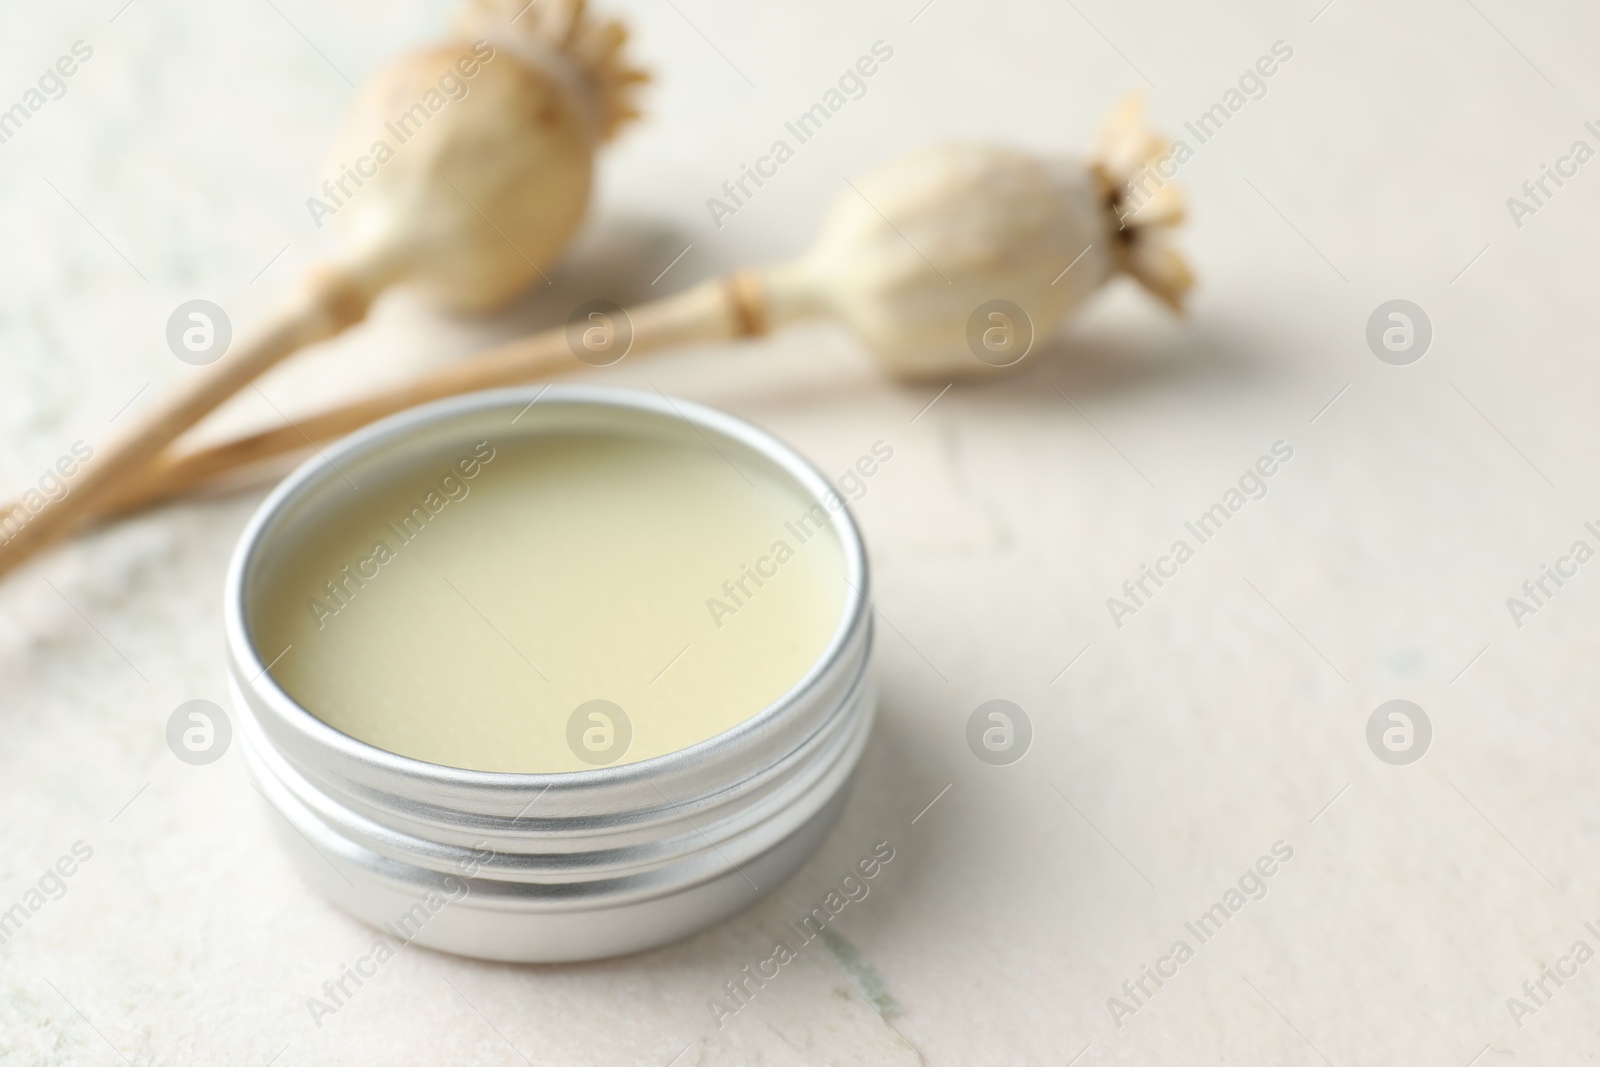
{"x":548,"y":867}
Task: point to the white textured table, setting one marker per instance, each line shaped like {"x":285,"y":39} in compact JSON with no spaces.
{"x":1226,"y":714}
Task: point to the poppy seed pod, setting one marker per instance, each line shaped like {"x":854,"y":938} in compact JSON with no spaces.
{"x":917,"y":248}
{"x":475,"y":159}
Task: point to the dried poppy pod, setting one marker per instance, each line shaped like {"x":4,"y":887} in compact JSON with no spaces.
{"x":463,"y":170}
{"x":921,"y":257}
{"x":466,"y":168}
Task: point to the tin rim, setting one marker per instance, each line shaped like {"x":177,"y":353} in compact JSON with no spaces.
{"x":308,"y":476}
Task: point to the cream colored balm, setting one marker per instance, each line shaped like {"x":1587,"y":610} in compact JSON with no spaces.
{"x":555,"y":602}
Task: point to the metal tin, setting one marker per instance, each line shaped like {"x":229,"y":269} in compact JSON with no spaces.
{"x":550,"y":867}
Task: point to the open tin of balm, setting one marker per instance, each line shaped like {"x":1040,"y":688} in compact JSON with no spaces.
{"x":551,"y":674}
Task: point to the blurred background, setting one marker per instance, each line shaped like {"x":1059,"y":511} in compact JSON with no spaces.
{"x":1172,"y":747}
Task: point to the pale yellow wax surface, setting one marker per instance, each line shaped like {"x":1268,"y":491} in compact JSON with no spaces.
{"x":573,"y":568}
